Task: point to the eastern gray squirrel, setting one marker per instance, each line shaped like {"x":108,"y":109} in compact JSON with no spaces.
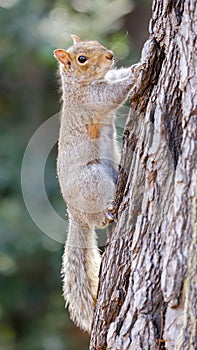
{"x":87,"y":163}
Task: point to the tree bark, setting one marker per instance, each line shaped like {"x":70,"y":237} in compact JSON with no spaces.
{"x":147,"y":296}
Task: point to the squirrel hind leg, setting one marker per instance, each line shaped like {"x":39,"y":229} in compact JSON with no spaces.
{"x":94,"y":218}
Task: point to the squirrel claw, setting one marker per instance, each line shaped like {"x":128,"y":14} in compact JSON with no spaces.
{"x":110,"y":212}
{"x":137,"y":67}
{"x":111,"y":217}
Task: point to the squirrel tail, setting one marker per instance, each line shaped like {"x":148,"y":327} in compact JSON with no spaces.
{"x":80,"y":270}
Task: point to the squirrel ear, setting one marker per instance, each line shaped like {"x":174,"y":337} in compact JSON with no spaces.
{"x":62,"y":56}
{"x":75,"y":38}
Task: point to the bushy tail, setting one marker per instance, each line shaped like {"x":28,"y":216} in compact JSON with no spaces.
{"x":80,"y":269}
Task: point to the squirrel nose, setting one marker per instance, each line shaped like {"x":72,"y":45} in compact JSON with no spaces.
{"x":109,"y":55}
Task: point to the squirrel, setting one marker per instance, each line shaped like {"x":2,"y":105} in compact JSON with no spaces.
{"x":87,"y":163}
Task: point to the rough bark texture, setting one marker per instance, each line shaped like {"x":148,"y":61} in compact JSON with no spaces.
{"x":147,"y":296}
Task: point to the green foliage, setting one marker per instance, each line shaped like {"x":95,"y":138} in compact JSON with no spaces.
{"x":32,"y":314}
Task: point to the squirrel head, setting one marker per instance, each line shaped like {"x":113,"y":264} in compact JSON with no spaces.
{"x":85,"y":60}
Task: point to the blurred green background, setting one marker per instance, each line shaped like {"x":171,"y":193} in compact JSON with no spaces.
{"x":32,"y":314}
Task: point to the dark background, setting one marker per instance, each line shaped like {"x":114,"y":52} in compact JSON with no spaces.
{"x":32,"y":314}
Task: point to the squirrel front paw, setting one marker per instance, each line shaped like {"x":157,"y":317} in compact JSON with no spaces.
{"x":137,"y":68}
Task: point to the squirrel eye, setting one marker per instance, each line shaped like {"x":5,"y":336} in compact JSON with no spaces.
{"x":82,"y":59}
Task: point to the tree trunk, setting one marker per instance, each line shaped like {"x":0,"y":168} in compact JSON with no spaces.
{"x":147,"y":295}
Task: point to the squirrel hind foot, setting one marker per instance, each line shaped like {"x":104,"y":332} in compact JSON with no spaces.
{"x":111,"y":212}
